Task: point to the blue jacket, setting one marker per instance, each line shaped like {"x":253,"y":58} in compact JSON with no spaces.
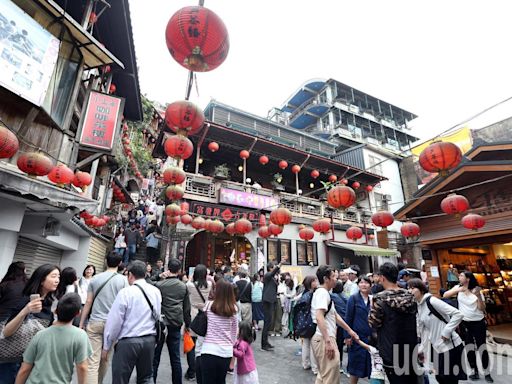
{"x":357,"y":316}
{"x":340,"y":303}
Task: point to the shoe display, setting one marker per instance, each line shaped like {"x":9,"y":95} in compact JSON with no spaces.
{"x":489,"y":379}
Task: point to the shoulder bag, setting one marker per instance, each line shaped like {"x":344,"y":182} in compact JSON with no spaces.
{"x":161,"y":329}
{"x":200,"y":323}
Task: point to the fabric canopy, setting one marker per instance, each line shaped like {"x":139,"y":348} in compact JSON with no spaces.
{"x":364,"y":250}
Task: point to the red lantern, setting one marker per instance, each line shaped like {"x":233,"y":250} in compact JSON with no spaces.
{"x":322,"y":225}
{"x":263,"y":160}
{"x":454,"y":204}
{"x":275,"y":229}
{"x":106,"y":69}
{"x":197,"y":39}
{"x":112,"y":88}
{"x":410,"y":229}
{"x":216,"y":226}
{"x":186,"y":219}
{"x":174,"y":192}
{"x":356,"y":185}
{"x":230,"y":229}
{"x":34,"y":163}
{"x":61,"y":175}
{"x":306,"y":234}
{"x":198,"y":223}
{"x":341,"y":197}
{"x":281,"y":216}
{"x":440,"y":157}
{"x":382,"y":219}
{"x":369,"y":188}
{"x":333,"y":178}
{"x":184,"y":207}
{"x":207,"y":224}
{"x":213,"y":146}
{"x":473,"y":221}
{"x":85,"y":215}
{"x":295,"y":169}
{"x":314,"y":173}
{"x":101,"y":222}
{"x":354,"y":233}
{"x":283,"y":164}
{"x":178,"y":146}
{"x":174,"y":175}
{"x":263,"y":220}
{"x":184,"y":116}
{"x":263,"y":232}
{"x":172,"y":210}
{"x":172,"y":220}
{"x":244,"y":154}
{"x":9,"y":143}
{"x":82,"y":179}
{"x":243,"y":226}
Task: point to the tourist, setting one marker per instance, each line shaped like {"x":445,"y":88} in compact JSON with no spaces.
{"x":149,"y":272}
{"x":101,"y":294}
{"x":340,"y":304}
{"x":246,"y":372}
{"x":403,"y":277}
{"x":244,"y":296}
{"x":68,"y":282}
{"x":310,"y":284}
{"x":437,"y":322}
{"x":153,"y":246}
{"x":474,"y":328}
{"x":288,"y":296}
{"x":256,"y":303}
{"x":324,"y":315}
{"x":350,"y":286}
{"x":130,"y":326}
{"x":217,"y":349}
{"x":37,"y":301}
{"x":269,"y":300}
{"x":356,"y":317}
{"x":377,"y":286}
{"x":277,"y":327}
{"x":393,"y":316}
{"x":53,"y":352}
{"x":120,"y":243}
{"x":158,"y":270}
{"x":11,"y":289}
{"x":87,"y":275}
{"x":378,"y":375}
{"x":133,"y":239}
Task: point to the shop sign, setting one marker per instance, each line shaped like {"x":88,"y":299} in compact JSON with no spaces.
{"x":222,"y":212}
{"x":101,"y":118}
{"x":28,"y":54}
{"x":247,"y":199}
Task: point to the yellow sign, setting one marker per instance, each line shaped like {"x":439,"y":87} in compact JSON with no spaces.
{"x":295,"y":272}
{"x":462,"y":138}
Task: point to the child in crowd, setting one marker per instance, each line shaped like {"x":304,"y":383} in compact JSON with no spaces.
{"x":377,"y":375}
{"x":246,"y":372}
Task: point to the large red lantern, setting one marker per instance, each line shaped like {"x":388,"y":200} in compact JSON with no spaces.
{"x":9,"y":143}
{"x":263,"y":160}
{"x":354,"y":233}
{"x":178,"y":146}
{"x":230,"y":229}
{"x":197,"y":39}
{"x":473,"y":221}
{"x":383,"y":219}
{"x":314,"y":173}
{"x":341,"y":197}
{"x":186,"y":219}
{"x":306,"y":234}
{"x":34,"y":164}
{"x":440,"y":157}
{"x":216,"y":226}
{"x":409,"y":230}
{"x":82,"y":179}
{"x":295,"y":169}
{"x":173,"y":210}
{"x":61,"y":175}
{"x":322,"y":225}
{"x":275,"y":229}
{"x":243,"y":226}
{"x":174,"y":175}
{"x":283,"y":164}
{"x":454,"y":204}
{"x":333,"y":178}
{"x":184,"y":116}
{"x":281,"y":216}
{"x":174,"y":192}
{"x":263,"y":232}
{"x":198,"y":223}
{"x":213,"y":146}
{"x":184,"y":207}
{"x":244,"y":154}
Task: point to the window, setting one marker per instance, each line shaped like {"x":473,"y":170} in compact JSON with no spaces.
{"x":374,"y":167}
{"x":279,"y":251}
{"x":306,"y":253}
{"x":381,"y":201}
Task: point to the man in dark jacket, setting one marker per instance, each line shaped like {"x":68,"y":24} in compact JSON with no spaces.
{"x":176,"y":310}
{"x":393,"y":316}
{"x":269,"y":300}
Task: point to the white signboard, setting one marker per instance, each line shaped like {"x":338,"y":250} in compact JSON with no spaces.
{"x":28,"y":54}
{"x":434,"y":271}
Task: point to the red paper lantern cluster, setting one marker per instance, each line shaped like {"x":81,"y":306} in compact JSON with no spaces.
{"x":410,"y":230}
{"x":341,"y":197}
{"x":322,"y":225}
{"x":473,"y":221}
{"x":9,"y":143}
{"x":281,"y":216}
{"x":383,"y":219}
{"x":94,"y":221}
{"x":184,"y":117}
{"x":440,"y":157}
{"x":118,"y":193}
{"x":82,"y":179}
{"x":34,"y":164}
{"x":454,"y":204}
{"x":129,"y":153}
{"x":354,"y":233}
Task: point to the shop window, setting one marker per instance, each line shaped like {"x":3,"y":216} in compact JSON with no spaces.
{"x":307,"y":253}
{"x":279,"y":251}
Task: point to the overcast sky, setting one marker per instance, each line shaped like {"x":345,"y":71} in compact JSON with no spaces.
{"x":442,"y":60}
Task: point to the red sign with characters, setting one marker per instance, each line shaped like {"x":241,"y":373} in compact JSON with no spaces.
{"x":100,"y":121}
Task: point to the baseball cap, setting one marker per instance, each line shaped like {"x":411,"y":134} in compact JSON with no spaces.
{"x":403,"y":272}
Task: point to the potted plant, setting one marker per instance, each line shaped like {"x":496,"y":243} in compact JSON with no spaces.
{"x":276,"y":183}
{"x":221,"y":172}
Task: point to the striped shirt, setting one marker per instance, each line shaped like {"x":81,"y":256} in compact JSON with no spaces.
{"x":221,"y":335}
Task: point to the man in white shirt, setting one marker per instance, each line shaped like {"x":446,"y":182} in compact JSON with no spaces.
{"x":131,"y":323}
{"x":324,"y":315}
{"x":350,"y":286}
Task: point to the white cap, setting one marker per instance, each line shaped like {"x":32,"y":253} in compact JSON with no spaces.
{"x":350,"y":270}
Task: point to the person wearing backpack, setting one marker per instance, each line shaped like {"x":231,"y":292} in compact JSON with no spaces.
{"x":437,"y":322}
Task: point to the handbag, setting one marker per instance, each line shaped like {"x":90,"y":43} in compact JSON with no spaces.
{"x":200,"y":323}
{"x":13,"y":347}
{"x":188,"y":342}
{"x":161,"y":329}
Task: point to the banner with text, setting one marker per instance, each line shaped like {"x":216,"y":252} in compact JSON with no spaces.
{"x":246,"y":199}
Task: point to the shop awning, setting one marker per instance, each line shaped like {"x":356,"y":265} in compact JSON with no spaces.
{"x":364,"y":250}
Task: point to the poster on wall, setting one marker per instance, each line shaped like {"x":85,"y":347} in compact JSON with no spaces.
{"x":28,"y":54}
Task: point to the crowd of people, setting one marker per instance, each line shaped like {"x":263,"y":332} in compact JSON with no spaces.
{"x":56,"y":322}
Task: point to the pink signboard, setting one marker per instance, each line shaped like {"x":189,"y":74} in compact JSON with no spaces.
{"x":246,"y":199}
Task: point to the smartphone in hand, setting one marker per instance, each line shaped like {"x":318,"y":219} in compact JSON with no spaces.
{"x":35,"y":296}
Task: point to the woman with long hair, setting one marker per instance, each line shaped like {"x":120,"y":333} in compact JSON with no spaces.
{"x":217,"y":348}
{"x":256,"y":300}
{"x":87,"y":275}
{"x":288,"y":296}
{"x":437,"y":321}
{"x":68,"y":282}
{"x":41,"y":286}
{"x":474,"y":328}
{"x":310,"y":283}
{"x":199,"y":288}
{"x":120,"y":242}
{"x":11,"y":289}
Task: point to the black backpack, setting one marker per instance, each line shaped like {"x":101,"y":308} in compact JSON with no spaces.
{"x":303,"y":325}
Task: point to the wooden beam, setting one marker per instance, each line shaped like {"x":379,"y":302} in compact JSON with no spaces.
{"x":88,"y":159}
{"x":27,"y":122}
